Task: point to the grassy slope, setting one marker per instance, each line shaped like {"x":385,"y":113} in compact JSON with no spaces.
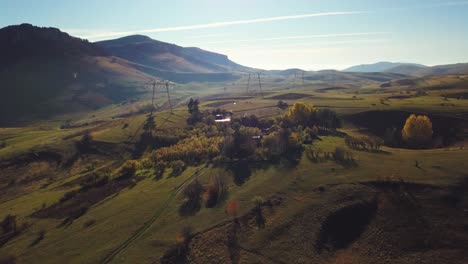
{"x":119,"y":217}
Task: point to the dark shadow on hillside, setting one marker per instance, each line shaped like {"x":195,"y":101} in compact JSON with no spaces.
{"x":241,"y":172}
{"x":345,"y":225}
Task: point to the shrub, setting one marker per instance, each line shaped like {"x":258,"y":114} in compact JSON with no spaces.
{"x":215,"y":192}
{"x":232,"y":208}
{"x":282,"y":105}
{"x":85,"y":143}
{"x":417,"y":131}
{"x":126,"y":170}
{"x":9,"y":224}
{"x":178,"y":167}
{"x":178,"y":252}
{"x":68,"y":195}
{"x":89,"y":223}
{"x":39,"y":238}
{"x":159,"y":169}
{"x":364,"y":143}
{"x":192,"y":196}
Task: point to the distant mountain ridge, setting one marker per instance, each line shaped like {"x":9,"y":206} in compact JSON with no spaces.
{"x":379,"y":66}
{"x":25,"y":41}
{"x":459,"y":68}
{"x":411,"y":69}
{"x":169,"y":57}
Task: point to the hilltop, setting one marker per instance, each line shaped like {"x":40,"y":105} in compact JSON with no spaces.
{"x":169,"y":57}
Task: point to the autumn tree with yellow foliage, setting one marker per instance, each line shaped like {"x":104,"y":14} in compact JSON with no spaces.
{"x":299,"y":114}
{"x":417,"y":131}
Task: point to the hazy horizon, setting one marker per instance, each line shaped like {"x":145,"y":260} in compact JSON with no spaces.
{"x":311,"y":35}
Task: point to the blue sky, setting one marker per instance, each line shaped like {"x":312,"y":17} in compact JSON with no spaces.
{"x":309,"y":34}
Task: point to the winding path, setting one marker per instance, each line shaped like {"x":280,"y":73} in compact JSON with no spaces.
{"x":153,"y":219}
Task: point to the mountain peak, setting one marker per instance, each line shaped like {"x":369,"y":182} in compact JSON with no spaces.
{"x":26,"y":41}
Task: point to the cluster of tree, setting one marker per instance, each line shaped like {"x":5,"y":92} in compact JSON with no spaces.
{"x":340,"y":155}
{"x":241,"y":144}
{"x":367,"y":143}
{"x":417,"y":131}
{"x":194,"y":111}
{"x":254,"y":121}
{"x":283,"y":143}
{"x":192,"y":150}
{"x":307,"y":116}
{"x":212,"y":195}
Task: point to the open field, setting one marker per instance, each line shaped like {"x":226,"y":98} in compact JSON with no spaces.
{"x":139,"y":222}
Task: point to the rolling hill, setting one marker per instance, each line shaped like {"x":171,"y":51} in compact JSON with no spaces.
{"x":169,"y":57}
{"x":414,"y":70}
{"x":381,"y":66}
{"x":45,"y":71}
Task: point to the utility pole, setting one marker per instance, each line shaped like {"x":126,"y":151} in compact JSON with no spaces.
{"x":248,"y":84}
{"x":260,"y":84}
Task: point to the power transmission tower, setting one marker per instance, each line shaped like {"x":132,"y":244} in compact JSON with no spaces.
{"x":168,"y":95}
{"x":260,"y":84}
{"x":152,"y":97}
{"x":248,"y":84}
{"x":303,"y":78}
{"x":295,"y":77}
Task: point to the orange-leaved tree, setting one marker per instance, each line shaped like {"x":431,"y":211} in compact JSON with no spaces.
{"x":417,"y":131}
{"x":233,"y":208}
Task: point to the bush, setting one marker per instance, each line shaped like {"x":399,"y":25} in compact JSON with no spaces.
{"x":417,"y":131}
{"x":85,"y":143}
{"x":178,"y":252}
{"x":364,"y":143}
{"x":89,"y":223}
{"x":126,"y":170}
{"x":178,"y":167}
{"x":9,"y":224}
{"x":39,"y":238}
{"x":68,"y":195}
{"x":343,"y":157}
{"x":192,"y":196}
{"x":215,"y":192}
{"x":233,"y":208}
{"x":282,"y":105}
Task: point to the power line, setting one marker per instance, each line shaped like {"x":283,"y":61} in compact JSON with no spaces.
{"x":248,"y":84}
{"x":260,"y":84}
{"x":168,"y":95}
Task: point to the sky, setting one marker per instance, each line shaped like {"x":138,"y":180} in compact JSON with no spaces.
{"x":281,"y":34}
